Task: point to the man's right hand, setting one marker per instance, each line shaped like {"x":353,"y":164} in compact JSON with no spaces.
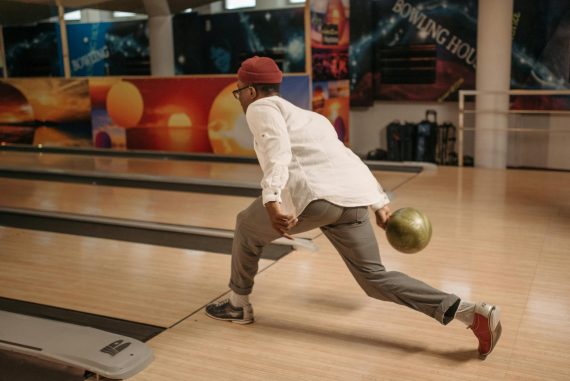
{"x":280,"y":221}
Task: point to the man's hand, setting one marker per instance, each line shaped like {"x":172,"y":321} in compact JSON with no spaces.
{"x":382,"y":216}
{"x":280,"y":221}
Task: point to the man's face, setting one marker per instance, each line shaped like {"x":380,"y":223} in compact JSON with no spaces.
{"x":246,"y":94}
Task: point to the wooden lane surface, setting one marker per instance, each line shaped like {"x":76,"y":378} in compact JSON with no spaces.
{"x":499,"y":236}
{"x":180,"y":208}
{"x":248,"y":173}
{"x":513,"y":226}
{"x":142,"y":283}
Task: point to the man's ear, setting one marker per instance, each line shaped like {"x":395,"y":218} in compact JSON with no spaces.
{"x":253,"y":92}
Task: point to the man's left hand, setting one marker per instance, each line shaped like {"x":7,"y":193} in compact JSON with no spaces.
{"x":382,"y":216}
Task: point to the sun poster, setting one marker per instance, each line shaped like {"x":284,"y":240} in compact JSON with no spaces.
{"x":46,"y":111}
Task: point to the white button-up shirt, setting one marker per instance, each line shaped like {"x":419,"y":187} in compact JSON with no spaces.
{"x":303,"y":160}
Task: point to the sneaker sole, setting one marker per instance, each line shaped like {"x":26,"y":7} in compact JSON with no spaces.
{"x":237,"y":321}
{"x":495,"y":328}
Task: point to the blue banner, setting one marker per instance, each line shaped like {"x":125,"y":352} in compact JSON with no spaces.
{"x":102,"y":49}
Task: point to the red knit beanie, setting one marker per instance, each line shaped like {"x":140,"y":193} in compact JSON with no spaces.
{"x":259,"y":70}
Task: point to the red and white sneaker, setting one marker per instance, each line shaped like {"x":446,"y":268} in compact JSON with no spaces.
{"x":486,"y":327}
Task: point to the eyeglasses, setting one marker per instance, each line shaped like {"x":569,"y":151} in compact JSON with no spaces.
{"x":236,"y":92}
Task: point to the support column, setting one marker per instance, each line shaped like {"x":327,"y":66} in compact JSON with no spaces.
{"x":3,"y":54}
{"x":494,"y":42}
{"x":64,"y":45}
{"x":161,"y":39}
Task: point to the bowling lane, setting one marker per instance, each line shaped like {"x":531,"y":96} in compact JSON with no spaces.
{"x":141,"y":283}
{"x":169,"y":207}
{"x":192,"y":209}
{"x":167,"y":169}
{"x":243,"y":173}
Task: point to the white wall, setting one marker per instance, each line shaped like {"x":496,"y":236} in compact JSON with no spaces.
{"x":548,"y":149}
{"x":367,"y":125}
{"x":558,"y":152}
{"x":95,"y":15}
{"x":536,"y":150}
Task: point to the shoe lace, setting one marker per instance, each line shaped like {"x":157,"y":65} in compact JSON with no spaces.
{"x":222,"y":302}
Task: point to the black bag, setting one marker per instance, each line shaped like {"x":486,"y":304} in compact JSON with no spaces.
{"x":401,"y":139}
{"x":377,"y":154}
{"x":393,"y":138}
{"x":446,"y":144}
{"x":408,"y":141}
{"x":427,"y":138}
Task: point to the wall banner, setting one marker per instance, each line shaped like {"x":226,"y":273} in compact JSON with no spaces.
{"x":103,"y":49}
{"x":220,"y":42}
{"x":541,"y":52}
{"x":330,"y":39}
{"x":33,"y":51}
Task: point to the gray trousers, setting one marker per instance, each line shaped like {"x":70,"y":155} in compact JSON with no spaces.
{"x":350,"y":231}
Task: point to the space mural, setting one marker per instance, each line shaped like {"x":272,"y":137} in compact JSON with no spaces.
{"x":220,"y":42}
{"x":541,"y":52}
{"x":95,"y":49}
{"x":109,"y":48}
{"x":33,"y":51}
{"x":421,"y":50}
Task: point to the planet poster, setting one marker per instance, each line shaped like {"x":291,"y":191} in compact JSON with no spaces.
{"x":182,"y":114}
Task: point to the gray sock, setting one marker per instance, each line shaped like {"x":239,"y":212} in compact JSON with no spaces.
{"x":465,"y":313}
{"x":238,"y":300}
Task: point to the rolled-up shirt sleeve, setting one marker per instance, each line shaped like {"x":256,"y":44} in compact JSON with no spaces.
{"x":384,"y":200}
{"x":272,"y":146}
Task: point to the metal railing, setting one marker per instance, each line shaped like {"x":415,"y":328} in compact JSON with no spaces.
{"x":471,"y":93}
